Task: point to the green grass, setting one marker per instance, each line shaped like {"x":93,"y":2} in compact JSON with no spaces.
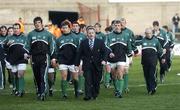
{"x":166,"y":98}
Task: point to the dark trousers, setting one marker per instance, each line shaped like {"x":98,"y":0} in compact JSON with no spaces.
{"x":168,"y":58}
{"x":92,"y":82}
{"x":176,"y":27}
{"x":40,"y":71}
{"x":150,"y":77}
{"x":2,"y":74}
{"x":163,"y":67}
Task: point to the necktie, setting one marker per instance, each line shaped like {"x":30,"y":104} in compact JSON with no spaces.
{"x":91,"y":44}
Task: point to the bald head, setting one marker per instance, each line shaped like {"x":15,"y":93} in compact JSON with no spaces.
{"x":148,"y":32}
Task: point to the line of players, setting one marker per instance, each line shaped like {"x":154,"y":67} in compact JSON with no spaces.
{"x":121,"y":45}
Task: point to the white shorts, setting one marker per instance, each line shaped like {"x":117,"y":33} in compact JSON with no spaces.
{"x":19,"y":67}
{"x":51,"y":70}
{"x":67,"y":67}
{"x":8,"y":65}
{"x":114,"y":65}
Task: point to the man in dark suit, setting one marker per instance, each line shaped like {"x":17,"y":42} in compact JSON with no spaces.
{"x":93,"y":53}
{"x":175,"y":21}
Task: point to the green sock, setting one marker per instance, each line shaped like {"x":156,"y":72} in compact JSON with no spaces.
{"x":21,"y":84}
{"x":116,"y":85}
{"x":107,"y":78}
{"x":126,"y":78}
{"x":121,"y":84}
{"x":64,"y":87}
{"x":81,"y":82}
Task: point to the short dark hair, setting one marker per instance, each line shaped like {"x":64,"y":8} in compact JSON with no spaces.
{"x":155,"y":23}
{"x":166,"y":27}
{"x":37,"y":19}
{"x":3,"y":27}
{"x":75,"y":22}
{"x":17,"y":24}
{"x":109,"y":29}
{"x":9,"y":28}
{"x":98,"y":24}
{"x":90,"y":27}
{"x":117,"y":22}
{"x":66,"y":22}
{"x":82,"y":26}
{"x":112,"y":22}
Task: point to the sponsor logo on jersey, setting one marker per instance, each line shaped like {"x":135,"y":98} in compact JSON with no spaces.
{"x":144,"y":44}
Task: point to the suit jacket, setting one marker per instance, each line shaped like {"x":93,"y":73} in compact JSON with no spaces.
{"x":92,"y":57}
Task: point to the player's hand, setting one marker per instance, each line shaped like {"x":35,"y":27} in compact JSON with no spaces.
{"x":111,"y":55}
{"x":10,"y":42}
{"x":53,"y":63}
{"x":171,"y":49}
{"x":103,"y":63}
{"x":130,"y":61}
{"x":163,"y":61}
{"x":138,"y":54}
{"x":164,"y":51}
{"x":76,"y":68}
{"x":26,"y":56}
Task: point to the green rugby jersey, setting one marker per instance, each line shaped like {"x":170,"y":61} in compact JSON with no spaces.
{"x":161,"y":36}
{"x":120,"y":45}
{"x":67,"y":48}
{"x":80,"y":36}
{"x":151,"y":50}
{"x":101,"y":36}
{"x":40,"y":43}
{"x":2,"y":39}
{"x":16,"y":49}
{"x":131,"y":37}
{"x":170,"y":39}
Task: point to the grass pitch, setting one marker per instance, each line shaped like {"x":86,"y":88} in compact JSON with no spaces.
{"x":166,"y":98}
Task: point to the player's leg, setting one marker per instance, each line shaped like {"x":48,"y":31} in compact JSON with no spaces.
{"x":21,"y":71}
{"x":152,"y":79}
{"x":64,"y":72}
{"x":120,"y":73}
{"x":146,"y":77}
{"x":15,"y":80}
{"x":51,"y":79}
{"x":36,"y":72}
{"x":44,"y":80}
{"x":81,"y":81}
{"x":75,"y":79}
{"x":114,"y":78}
{"x":107,"y":75}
